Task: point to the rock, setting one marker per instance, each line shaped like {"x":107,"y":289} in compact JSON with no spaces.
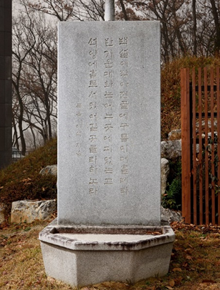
{"x":168,"y":215}
{"x":165,"y":169}
{"x":29,"y":211}
{"x":171,"y":149}
{"x":2,"y":212}
{"x":49,"y":170}
{"x":175,"y":134}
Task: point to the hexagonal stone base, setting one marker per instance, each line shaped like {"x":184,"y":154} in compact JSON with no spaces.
{"x":81,"y":256}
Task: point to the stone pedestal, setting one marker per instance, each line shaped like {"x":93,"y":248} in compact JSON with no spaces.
{"x":88,"y":255}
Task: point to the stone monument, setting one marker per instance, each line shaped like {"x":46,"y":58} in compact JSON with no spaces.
{"x":108,"y":225}
{"x":5,"y":83}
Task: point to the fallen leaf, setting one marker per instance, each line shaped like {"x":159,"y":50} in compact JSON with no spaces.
{"x":208,"y":281}
{"x":177,"y":270}
{"x":188,"y":257}
{"x":172,"y":283}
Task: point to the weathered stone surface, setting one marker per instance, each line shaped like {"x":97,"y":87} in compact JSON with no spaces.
{"x":83,"y":259}
{"x":2,"y":212}
{"x":49,"y":170}
{"x":29,"y":211}
{"x":175,"y":134}
{"x":165,"y":169}
{"x":171,"y":149}
{"x":168,"y":215}
{"x":109,"y":117}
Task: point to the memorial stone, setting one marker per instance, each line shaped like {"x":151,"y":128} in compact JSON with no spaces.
{"x":108,"y":171}
{"x":109,"y":116}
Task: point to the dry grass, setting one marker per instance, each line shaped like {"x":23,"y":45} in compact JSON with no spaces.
{"x":21,"y":180}
{"x":195,"y":261}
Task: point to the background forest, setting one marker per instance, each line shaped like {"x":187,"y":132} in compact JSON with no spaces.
{"x":190,"y":35}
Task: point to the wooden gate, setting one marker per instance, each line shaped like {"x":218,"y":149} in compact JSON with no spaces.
{"x":200,"y":125}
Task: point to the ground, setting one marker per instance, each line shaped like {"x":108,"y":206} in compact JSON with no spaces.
{"x":195,"y":261}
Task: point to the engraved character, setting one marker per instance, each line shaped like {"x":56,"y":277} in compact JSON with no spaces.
{"x":123,"y":40}
{"x":124,"y":105}
{"x":93,"y":149}
{"x":108,"y":170}
{"x":93,"y":190}
{"x":123,"y":179}
{"x":123,"y":73}
{"x":107,"y":149}
{"x":108,"y":42}
{"x":124,"y":63}
{"x":93,"y":84}
{"x":108,"y":54}
{"x":93,"y":169}
{"x":93,"y":53}
{"x":93,"y":159}
{"x":108,"y":116}
{"x":108,"y":127}
{"x":124,"y":148}
{"x":108,"y":105}
{"x":124,"y":94}
{"x":123,"y":53}
{"x":92,"y":41}
{"x":124,"y":115}
{"x":124,"y":137}
{"x":93,"y":94}
{"x":93,"y":127}
{"x":108,"y":63}
{"x":108,"y":181}
{"x":124,"y":125}
{"x":124,"y":190}
{"x":93,"y":138}
{"x":108,"y":160}
{"x":122,"y":84}
{"x":93,"y":64}
{"x":92,"y":105}
{"x":93,"y":181}
{"x":92,"y":116}
{"x":124,"y":169}
{"x":109,"y":138}
{"x":108,"y":83}
{"x":108,"y":73}
{"x":108,"y":95}
{"x":78,"y":105}
{"x":93,"y":74}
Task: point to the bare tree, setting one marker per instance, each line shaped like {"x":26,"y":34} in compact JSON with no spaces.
{"x":64,"y":10}
{"x":34,"y":77}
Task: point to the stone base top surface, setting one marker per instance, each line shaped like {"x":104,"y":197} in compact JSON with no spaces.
{"x":107,"y":238}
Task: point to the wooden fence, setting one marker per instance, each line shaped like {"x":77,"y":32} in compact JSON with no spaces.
{"x":200,"y":124}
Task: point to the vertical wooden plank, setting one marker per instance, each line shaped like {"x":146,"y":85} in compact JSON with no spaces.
{"x":200,"y":149}
{"x":212,"y":146}
{"x":194,"y":146}
{"x":218,"y":132}
{"x":185,"y":131}
{"x":206,"y":150}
